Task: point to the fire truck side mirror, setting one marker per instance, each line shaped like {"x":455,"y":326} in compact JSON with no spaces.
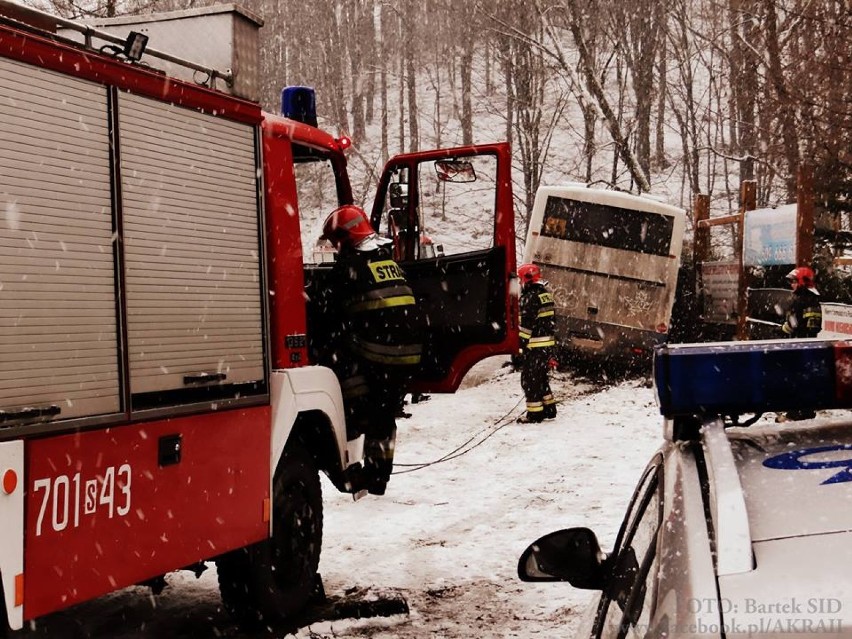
{"x":398,"y":195}
{"x":455,"y":171}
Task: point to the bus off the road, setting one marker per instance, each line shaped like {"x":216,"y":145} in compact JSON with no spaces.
{"x":612,"y":260}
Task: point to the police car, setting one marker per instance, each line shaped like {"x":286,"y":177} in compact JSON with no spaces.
{"x":739,"y":526}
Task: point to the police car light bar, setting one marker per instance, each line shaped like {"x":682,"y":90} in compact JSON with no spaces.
{"x":734,"y":378}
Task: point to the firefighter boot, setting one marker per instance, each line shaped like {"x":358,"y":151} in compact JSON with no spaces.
{"x":534,"y":414}
{"x":549,"y":407}
{"x":378,"y":463}
{"x":531,"y":418}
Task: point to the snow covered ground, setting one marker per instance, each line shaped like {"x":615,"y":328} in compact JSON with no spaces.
{"x":447,"y":535}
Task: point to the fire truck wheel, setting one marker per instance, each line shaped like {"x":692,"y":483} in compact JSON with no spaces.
{"x":269,"y":582}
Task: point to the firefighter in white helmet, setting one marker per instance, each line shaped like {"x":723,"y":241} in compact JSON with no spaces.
{"x":378,"y":339}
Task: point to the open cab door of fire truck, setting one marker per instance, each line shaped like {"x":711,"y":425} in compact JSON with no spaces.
{"x":450,"y":215}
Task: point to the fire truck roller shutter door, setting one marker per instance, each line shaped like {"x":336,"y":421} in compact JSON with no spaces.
{"x":189,"y":187}
{"x":58,"y":336}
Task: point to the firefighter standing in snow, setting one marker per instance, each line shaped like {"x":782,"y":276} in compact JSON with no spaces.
{"x":804,"y":319}
{"x":537,"y":344}
{"x":378,"y":343}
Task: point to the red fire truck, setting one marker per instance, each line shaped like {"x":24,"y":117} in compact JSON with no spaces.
{"x":159,"y":403}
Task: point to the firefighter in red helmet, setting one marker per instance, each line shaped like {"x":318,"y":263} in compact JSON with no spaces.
{"x":537,"y":344}
{"x":376,"y":344}
{"x":804,"y":318}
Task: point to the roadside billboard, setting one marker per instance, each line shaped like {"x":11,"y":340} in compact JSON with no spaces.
{"x":719,"y":289}
{"x":769,"y":236}
{"x":836,"y":321}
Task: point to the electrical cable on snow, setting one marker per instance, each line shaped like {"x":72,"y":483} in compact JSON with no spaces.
{"x":461,"y":450}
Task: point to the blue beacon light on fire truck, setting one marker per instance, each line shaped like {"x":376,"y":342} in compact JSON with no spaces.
{"x":299,"y":104}
{"x":752,"y":377}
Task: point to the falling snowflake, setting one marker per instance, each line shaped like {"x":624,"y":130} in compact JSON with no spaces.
{"x":13,"y":215}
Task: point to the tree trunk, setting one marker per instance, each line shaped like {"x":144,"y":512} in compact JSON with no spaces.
{"x":353,"y":29}
{"x":383,"y":61}
{"x":411,"y":77}
{"x":662,"y":87}
{"x":785,"y":111}
{"x":467,"y":108}
{"x":744,"y":67}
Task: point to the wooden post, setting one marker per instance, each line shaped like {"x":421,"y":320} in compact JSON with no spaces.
{"x":701,"y":246}
{"x":805,"y":216}
{"x":700,"y":254}
{"x":748,"y":202}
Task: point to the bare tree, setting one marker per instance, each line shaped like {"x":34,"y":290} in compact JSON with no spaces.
{"x":635,"y":30}
{"x":409,"y":53}
{"x":682,"y":101}
{"x":593,"y":84}
{"x":783,"y":105}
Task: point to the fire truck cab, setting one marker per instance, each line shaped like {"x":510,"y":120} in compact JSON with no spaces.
{"x":159,"y":405}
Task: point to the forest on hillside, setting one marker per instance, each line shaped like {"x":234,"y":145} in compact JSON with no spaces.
{"x":680,"y":96}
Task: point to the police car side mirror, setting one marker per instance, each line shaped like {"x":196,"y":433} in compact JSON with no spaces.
{"x":573,"y":555}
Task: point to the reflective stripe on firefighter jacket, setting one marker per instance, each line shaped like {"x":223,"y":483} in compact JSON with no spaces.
{"x":382,"y":322}
{"x":804,"y":318}
{"x":537,"y":317}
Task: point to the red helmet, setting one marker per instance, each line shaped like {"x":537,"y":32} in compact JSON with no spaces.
{"x":529,"y":273}
{"x":347,"y":225}
{"x":802,"y":276}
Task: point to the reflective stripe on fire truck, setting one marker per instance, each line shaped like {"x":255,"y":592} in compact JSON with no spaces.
{"x":12,"y":531}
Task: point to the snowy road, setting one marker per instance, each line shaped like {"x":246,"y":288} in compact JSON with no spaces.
{"x":447,"y":535}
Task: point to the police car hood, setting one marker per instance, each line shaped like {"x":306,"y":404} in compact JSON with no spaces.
{"x":798,"y":491}
{"x":799,"y":587}
{"x":797,"y":480}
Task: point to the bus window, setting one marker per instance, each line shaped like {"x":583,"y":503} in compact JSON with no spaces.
{"x":609,"y":226}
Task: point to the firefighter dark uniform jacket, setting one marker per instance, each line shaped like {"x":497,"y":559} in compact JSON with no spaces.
{"x":537,"y":317}
{"x":537,"y":342}
{"x":376,"y":351}
{"x":804,"y":319}
{"x":381,"y":321}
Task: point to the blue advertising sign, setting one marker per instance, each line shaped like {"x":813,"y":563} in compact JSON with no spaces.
{"x":769,"y":237}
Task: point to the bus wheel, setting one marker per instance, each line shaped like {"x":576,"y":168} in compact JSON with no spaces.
{"x":269,"y":582}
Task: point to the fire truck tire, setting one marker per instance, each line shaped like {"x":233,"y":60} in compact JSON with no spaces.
{"x":270,"y":582}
